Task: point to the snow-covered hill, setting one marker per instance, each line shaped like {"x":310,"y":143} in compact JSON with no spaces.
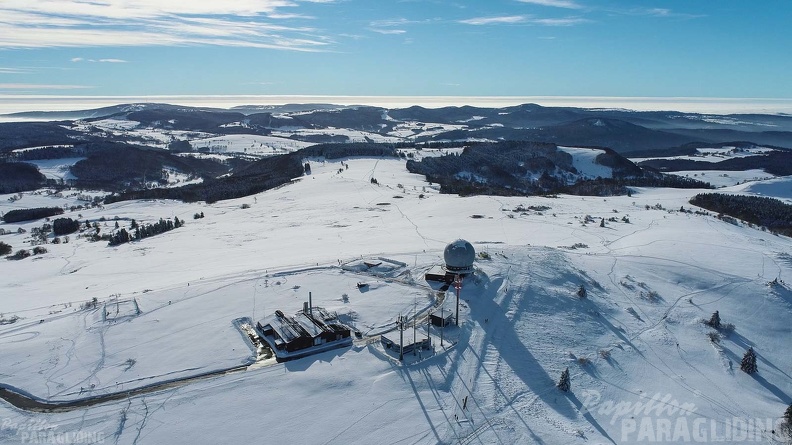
{"x":643,"y":366}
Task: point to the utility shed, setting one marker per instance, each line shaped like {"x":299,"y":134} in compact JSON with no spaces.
{"x":438,"y":274}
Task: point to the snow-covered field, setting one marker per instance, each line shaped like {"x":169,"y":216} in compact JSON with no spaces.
{"x":725,"y":178}
{"x":352,"y":135}
{"x":412,"y":129}
{"x":643,"y":367}
{"x":714,"y":154}
{"x":249,"y":144}
{"x":780,"y":188}
{"x":56,"y":168}
{"x":585,"y":161}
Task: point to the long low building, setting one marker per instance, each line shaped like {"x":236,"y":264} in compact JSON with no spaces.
{"x":307,"y":332}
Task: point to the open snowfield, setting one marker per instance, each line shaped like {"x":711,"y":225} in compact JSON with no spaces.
{"x":250,"y":144}
{"x":779,"y":188}
{"x":413,"y":129}
{"x":584,"y":160}
{"x":714,"y":154}
{"x":725,"y":178}
{"x":56,"y":168}
{"x":352,"y":135}
{"x":643,"y":368}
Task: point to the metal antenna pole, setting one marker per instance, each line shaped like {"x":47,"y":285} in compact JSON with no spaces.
{"x":428,"y":322}
{"x":442,"y":325}
{"x":415,"y":327}
{"x":458,"y":287}
{"x":401,"y":338}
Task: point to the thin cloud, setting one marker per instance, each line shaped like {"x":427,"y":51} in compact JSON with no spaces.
{"x":659,"y":12}
{"x":478,"y":21}
{"x":286,"y":16}
{"x":386,"y":23}
{"x":13,"y":71}
{"x":568,"y":4}
{"x":394,"y":26}
{"x":387,"y":31}
{"x":569,"y":21}
{"x":80,"y":59}
{"x":89,"y":23}
{"x":38,"y":86}
{"x":525,"y":19}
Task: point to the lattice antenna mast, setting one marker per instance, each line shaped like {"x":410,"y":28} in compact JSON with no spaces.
{"x":458,"y":287}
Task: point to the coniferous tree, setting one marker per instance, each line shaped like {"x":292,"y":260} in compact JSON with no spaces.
{"x":581,"y":292}
{"x":715,"y":320}
{"x":748,"y":363}
{"x":786,"y":425}
{"x":563,"y":382}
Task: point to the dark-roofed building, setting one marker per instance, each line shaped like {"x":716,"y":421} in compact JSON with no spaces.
{"x":313,"y":331}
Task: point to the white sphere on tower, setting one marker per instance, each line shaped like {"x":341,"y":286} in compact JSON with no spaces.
{"x":459,"y":257}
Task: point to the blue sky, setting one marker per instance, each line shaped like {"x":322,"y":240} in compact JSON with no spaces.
{"x":658,"y":48}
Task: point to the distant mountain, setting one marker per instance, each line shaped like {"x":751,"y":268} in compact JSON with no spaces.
{"x":129,"y":145}
{"x":89,"y":114}
{"x":621,"y":130}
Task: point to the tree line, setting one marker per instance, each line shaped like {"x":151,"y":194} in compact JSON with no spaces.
{"x":771,"y":213}
{"x":19,"y":215}
{"x":140,"y":231}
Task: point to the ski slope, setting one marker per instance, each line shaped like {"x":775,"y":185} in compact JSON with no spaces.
{"x":637,"y":336}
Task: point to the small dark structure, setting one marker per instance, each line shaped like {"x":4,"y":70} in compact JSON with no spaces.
{"x":446,"y":318}
{"x":391,"y":341}
{"x":307,"y":332}
{"x":439,"y":274}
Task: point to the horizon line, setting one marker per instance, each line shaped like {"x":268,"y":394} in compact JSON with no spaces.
{"x":17,"y":103}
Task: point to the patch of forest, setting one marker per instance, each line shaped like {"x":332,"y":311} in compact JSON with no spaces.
{"x":19,"y":215}
{"x":338,"y":151}
{"x":19,"y":176}
{"x":691,"y":149}
{"x":14,"y":135}
{"x":261,"y":175}
{"x":212,"y":121}
{"x":621,"y":186}
{"x":776,"y":163}
{"x":141,"y":231}
{"x":535,"y":168}
{"x":771,"y":213}
{"x":258,"y":176}
{"x":118,"y":166}
{"x":359,"y":118}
